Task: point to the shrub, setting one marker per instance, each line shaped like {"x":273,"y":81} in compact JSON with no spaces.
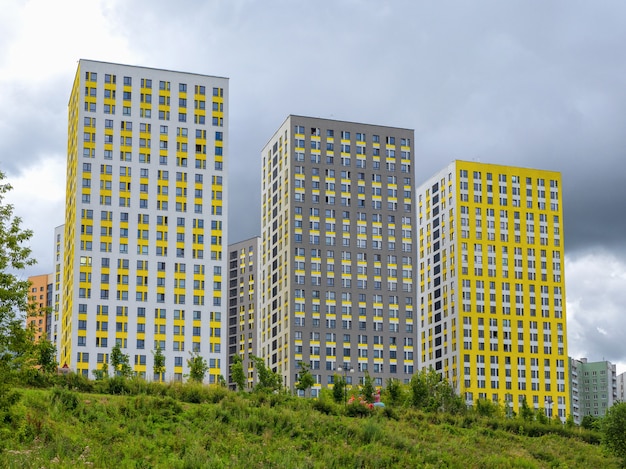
{"x":67,"y":400}
{"x":613,"y":428}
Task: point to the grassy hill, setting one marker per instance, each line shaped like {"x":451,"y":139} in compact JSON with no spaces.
{"x":191,"y":426}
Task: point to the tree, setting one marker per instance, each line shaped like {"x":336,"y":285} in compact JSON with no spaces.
{"x":339,"y":387}
{"x":158,"y":363}
{"x":120,"y":362}
{"x":305,"y":380}
{"x":589,"y":422}
{"x":197,"y":367}
{"x":237,"y":373}
{"x":430,"y":392}
{"x":368,"y":388}
{"x":268,"y":380}
{"x":525,"y":412}
{"x":613,"y":428}
{"x":394,"y":391}
{"x":46,"y":355}
{"x":14,"y":257}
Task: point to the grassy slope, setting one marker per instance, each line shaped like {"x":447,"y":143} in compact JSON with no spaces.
{"x":63,"y":429}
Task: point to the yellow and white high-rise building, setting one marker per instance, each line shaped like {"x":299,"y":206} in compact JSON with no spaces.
{"x":491,"y":292}
{"x":145,"y":220}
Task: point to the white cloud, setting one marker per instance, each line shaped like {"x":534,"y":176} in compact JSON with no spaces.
{"x":596,"y":295}
{"x":38,"y":198}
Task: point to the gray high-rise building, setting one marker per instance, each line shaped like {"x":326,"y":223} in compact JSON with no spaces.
{"x":243,"y":280}
{"x":337,"y":251}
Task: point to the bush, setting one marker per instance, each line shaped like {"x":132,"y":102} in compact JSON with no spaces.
{"x":613,"y":428}
{"x":67,"y":400}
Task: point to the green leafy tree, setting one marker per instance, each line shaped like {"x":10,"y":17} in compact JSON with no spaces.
{"x":15,"y":256}
{"x":237,"y":373}
{"x":102,"y":372}
{"x":120,"y":362}
{"x":430,"y":392}
{"x":197,"y":367}
{"x":305,"y":378}
{"x":589,"y":422}
{"x":613,"y":428}
{"x":339,"y":389}
{"x":525,"y":412}
{"x":46,"y":355}
{"x":394,"y":391}
{"x":368,"y":388}
{"x":158,"y":363}
{"x":268,"y":380}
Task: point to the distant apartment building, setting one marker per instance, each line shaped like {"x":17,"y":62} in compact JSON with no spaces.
{"x":140,"y":261}
{"x":40,"y":298}
{"x":621,"y":387}
{"x":594,"y":388}
{"x":337,"y":252}
{"x":491,"y":293}
{"x":243,"y":286}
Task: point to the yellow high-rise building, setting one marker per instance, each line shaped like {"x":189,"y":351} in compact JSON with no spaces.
{"x":491,"y":289}
{"x":141,"y":260}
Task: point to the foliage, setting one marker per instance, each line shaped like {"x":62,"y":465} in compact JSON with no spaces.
{"x":393,"y":391}
{"x":430,"y":392}
{"x":339,"y":389}
{"x":14,"y":257}
{"x":158,"y":366}
{"x":306,"y":379}
{"x":268,"y":380}
{"x":589,"y":422}
{"x":368,"y":388}
{"x":120,"y":362}
{"x":46,"y":355}
{"x":156,"y":428}
{"x":613,"y":428}
{"x":102,"y":372}
{"x":525,"y":412}
{"x":197,"y":367}
{"x":359,"y":407}
{"x":237,"y":373}
{"x":487,"y":408}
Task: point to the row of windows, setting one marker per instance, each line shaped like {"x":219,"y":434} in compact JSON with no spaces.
{"x":345,"y":135}
{"x":163,"y":175}
{"x":147,"y":84}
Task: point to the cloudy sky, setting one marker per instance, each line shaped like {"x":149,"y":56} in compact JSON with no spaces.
{"x":527,"y":83}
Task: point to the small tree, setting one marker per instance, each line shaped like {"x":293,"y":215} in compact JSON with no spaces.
{"x":46,"y":355}
{"x":613,"y":428}
{"x":339,"y":388}
{"x":525,"y":412}
{"x":589,"y":422}
{"x":14,"y":257}
{"x":197,"y":367}
{"x":268,"y":379}
{"x":368,"y":388}
{"x":394,"y":391}
{"x":120,"y":363}
{"x":306,"y":379}
{"x":158,"y":363}
{"x":237,"y":373}
{"x":101,"y":373}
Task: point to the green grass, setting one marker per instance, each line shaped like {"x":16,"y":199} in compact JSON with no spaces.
{"x":176,"y":426}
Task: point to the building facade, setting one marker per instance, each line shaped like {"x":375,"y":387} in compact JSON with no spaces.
{"x":243,"y":280}
{"x":337,"y":251}
{"x":491,"y":289}
{"x":40,"y":299}
{"x":145,"y":219}
{"x":594,"y":388}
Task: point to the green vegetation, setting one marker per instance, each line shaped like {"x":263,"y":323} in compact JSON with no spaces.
{"x":121,"y":421}
{"x":79,"y":423}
